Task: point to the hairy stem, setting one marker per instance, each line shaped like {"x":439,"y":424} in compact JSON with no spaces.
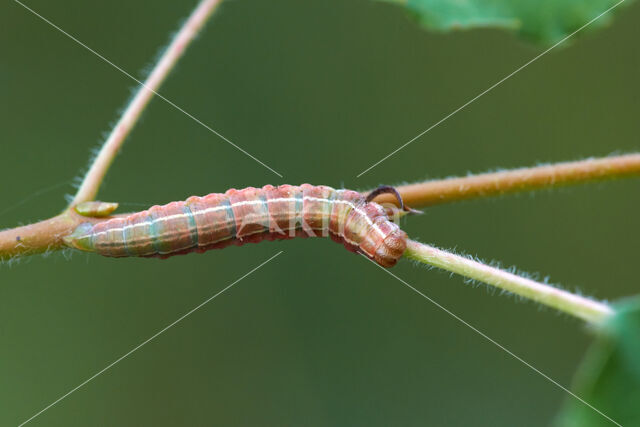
{"x":46,"y":235}
{"x":584,"y":308}
{"x":92,"y":180}
{"x":40,"y":237}
{"x":525,"y":179}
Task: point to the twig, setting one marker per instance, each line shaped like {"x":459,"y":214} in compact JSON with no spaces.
{"x":526,"y":179}
{"x":92,"y":180}
{"x":575,"y":305}
{"x":40,"y":237}
{"x":46,"y":235}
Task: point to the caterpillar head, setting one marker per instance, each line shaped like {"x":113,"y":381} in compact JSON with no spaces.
{"x":391,"y":249}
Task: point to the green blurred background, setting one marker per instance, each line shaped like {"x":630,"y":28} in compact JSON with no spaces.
{"x":319,"y":91}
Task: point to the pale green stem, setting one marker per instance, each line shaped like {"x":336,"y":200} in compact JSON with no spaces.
{"x":584,"y":308}
{"x":92,"y":180}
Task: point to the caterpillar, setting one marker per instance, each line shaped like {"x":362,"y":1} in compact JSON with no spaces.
{"x":250,"y":215}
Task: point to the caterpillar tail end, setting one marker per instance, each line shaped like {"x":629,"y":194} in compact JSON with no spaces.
{"x":81,"y":238}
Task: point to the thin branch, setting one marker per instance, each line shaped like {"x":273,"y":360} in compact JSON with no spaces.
{"x":40,"y":237}
{"x":526,"y":179}
{"x":92,"y":180}
{"x":47,"y":234}
{"x":575,"y":305}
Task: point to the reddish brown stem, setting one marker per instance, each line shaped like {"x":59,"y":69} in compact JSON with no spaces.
{"x":526,"y":179}
{"x":47,"y":235}
{"x":39,"y":237}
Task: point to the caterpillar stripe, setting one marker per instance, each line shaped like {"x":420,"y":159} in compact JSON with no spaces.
{"x":248,"y":216}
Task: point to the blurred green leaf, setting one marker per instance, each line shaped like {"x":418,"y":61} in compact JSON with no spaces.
{"x":543,"y":21}
{"x":609,"y":377}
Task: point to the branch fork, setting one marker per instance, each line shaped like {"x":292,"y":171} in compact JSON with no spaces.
{"x":48,"y":235}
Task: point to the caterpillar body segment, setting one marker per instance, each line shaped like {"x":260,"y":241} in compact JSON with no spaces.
{"x":244,"y":216}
